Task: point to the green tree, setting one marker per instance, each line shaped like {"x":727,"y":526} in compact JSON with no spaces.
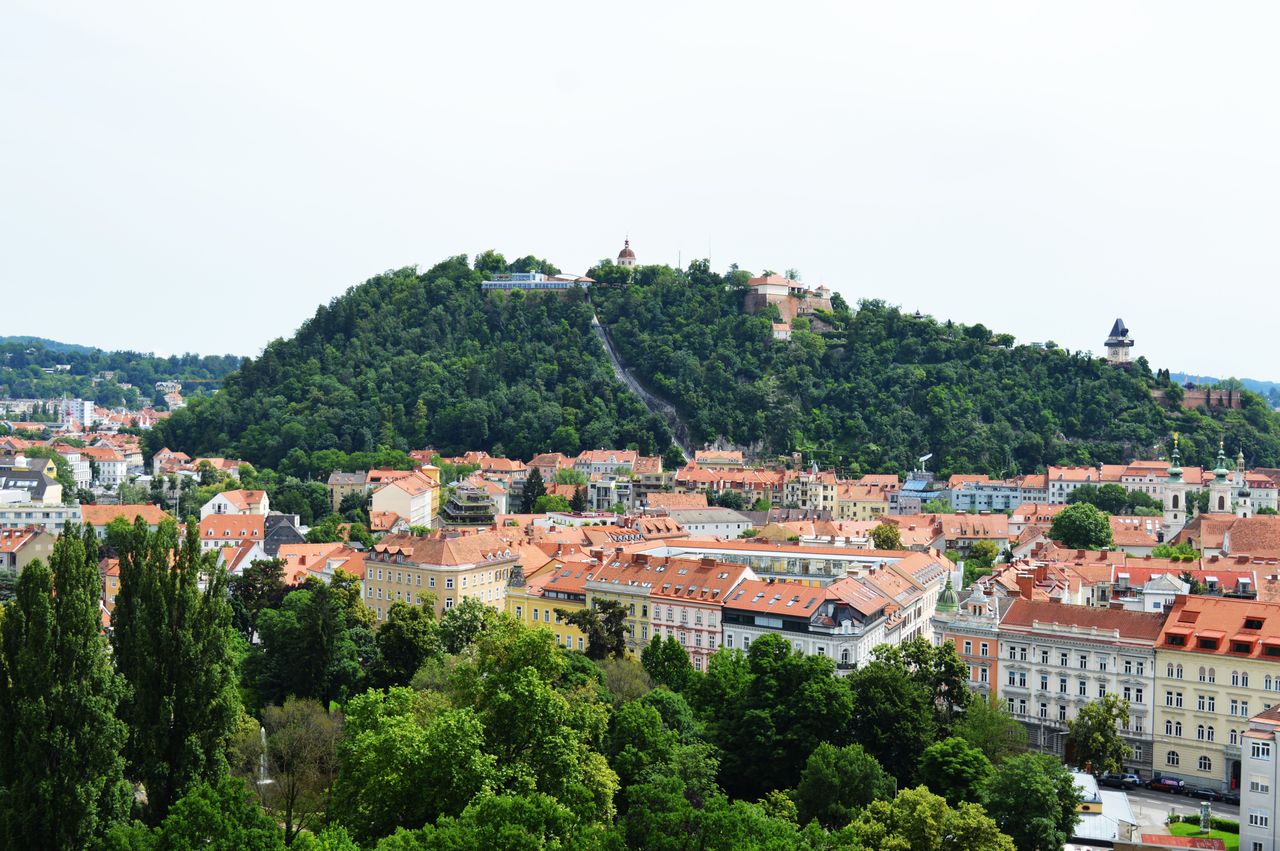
{"x":667,"y":662}
{"x":408,"y":637}
{"x":937,"y":506}
{"x":534,"y":488}
{"x":955,"y":770}
{"x":1081,"y":527}
{"x":988,"y":726}
{"x":579,"y":502}
{"x":506,"y":822}
{"x":310,"y":645}
{"x":918,"y":820}
{"x":767,"y":719}
{"x":219,"y":817}
{"x":463,"y":623}
{"x":258,"y":586}
{"x":939,"y":670}
{"x":302,"y":763}
{"x":730,"y":499}
{"x":1182,"y":552}
{"x":173,"y":644}
{"x":551,"y":502}
{"x":1033,"y":798}
{"x":637,"y":740}
{"x":604,"y":623}
{"x":61,"y":770}
{"x":982,"y":554}
{"x":569,"y":476}
{"x":895,"y":717}
{"x":1094,"y":734}
{"x":404,"y":763}
{"x":886,"y":537}
{"x":837,"y":782}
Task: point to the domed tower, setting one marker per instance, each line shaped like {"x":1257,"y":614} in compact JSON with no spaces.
{"x":626,"y":257}
{"x":1220,"y":489}
{"x":1176,"y":512}
{"x":1244,"y":499}
{"x":1118,"y":344}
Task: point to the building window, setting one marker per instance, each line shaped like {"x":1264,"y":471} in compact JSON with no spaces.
{"x":1084,"y":662}
{"x":983,"y":649}
{"x":1200,"y":732}
{"x":1137,"y":752}
{"x":431,"y":582}
{"x":1260,"y":750}
{"x":1171,"y":758}
{"x":1102,"y":689}
{"x":448,"y":603}
{"x":1259,"y":818}
{"x":1044,"y":682}
{"x":1062,"y":712}
{"x":1044,"y":657}
{"x":968,"y":648}
{"x":448,"y":582}
{"x":1084,"y":688}
{"x":1128,"y":666}
{"x":982,"y":674}
{"x":1204,"y":764}
{"x":1044,"y":710}
{"x":1062,"y":660}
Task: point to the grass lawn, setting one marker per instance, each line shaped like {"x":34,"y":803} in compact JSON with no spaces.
{"x":1232,"y":840}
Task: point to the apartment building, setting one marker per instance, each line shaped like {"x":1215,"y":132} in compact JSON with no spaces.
{"x":409,"y":567}
{"x":1217,"y":665}
{"x":1056,"y":658}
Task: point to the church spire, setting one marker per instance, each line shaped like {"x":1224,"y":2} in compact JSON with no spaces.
{"x":1175,"y":461}
{"x":1220,"y":470}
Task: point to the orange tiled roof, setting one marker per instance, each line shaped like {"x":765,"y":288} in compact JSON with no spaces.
{"x":222,"y":527}
{"x":101,"y":515}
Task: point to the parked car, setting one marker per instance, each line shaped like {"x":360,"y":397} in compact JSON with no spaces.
{"x":1120,"y":781}
{"x":1171,"y":785}
{"x":1206,"y":793}
{"x":1232,"y":797}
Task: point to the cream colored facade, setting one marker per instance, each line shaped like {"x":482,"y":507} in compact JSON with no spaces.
{"x":1202,"y":708}
{"x":393,"y":573}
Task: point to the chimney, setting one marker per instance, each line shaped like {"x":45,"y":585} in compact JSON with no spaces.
{"x":1026,"y":583}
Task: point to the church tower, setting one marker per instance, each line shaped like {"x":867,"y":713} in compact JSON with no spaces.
{"x":1220,"y":489}
{"x":1244,"y":499}
{"x":1176,"y":512}
{"x":626,"y":257}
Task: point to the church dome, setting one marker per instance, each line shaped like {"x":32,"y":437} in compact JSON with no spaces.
{"x":626,"y":253}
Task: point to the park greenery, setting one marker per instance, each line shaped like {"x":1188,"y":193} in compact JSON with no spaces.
{"x":244,"y":713}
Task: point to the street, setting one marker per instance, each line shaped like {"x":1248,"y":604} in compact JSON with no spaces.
{"x":1151,"y":801}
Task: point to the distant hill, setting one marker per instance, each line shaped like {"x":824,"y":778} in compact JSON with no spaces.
{"x":426,"y":358}
{"x":51,"y":345}
{"x":1267,"y":389}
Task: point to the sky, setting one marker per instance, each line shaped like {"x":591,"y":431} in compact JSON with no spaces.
{"x":199,"y":177}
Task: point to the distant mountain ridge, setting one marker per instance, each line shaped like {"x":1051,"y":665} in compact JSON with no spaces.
{"x":1262,"y":388}
{"x":51,"y":345}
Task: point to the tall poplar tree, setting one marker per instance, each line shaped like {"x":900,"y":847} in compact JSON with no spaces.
{"x":62,"y":777}
{"x":172,"y":643}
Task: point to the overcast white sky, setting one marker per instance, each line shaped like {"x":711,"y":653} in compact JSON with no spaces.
{"x":198,"y":177}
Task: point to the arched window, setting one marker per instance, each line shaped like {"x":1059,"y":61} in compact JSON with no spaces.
{"x":1177,"y":729}
{"x":1235,"y":678}
{"x":1222,"y":503}
{"x":1232,"y":737}
{"x":1244,"y":679}
{"x":1213,"y":675}
{"x":844,"y":656}
{"x":1200,"y":732}
{"x":1202,"y":673}
{"x":1178,"y":672}
{"x":1168,"y":670}
{"x":1171,"y":758}
{"x":1175,"y":500}
{"x":1210,"y":734}
{"x":1266,"y":682}
{"x":1168,"y":728}
{"x":1205,"y":764}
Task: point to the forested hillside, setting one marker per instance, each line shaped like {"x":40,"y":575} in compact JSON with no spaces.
{"x":413,"y":359}
{"x":885,"y":387}
{"x":24,"y":359}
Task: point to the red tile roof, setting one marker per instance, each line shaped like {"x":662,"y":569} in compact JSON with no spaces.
{"x":101,"y":515}
{"x":1140,"y":626}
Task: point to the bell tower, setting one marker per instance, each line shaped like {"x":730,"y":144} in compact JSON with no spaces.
{"x":1176,"y":513}
{"x":1220,"y":489}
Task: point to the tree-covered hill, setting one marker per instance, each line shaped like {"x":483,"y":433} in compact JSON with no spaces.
{"x":23,"y":361}
{"x":411,"y":359}
{"x":885,"y":387}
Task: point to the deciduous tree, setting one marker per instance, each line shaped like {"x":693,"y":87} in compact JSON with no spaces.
{"x":1033,"y":798}
{"x":172,"y":642}
{"x":1094,"y":734}
{"x":61,"y":769}
{"x":955,"y":770}
{"x":837,"y":782}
